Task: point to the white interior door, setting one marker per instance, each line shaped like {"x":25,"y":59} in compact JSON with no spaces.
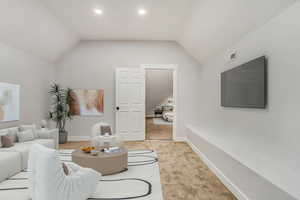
{"x":130,"y":103}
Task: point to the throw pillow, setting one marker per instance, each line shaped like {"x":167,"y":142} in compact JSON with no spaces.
{"x":43,"y":134}
{"x":7,"y":141}
{"x":66,"y":169}
{"x":25,"y":136}
{"x":3,"y":132}
{"x":30,"y":127}
{"x":105,"y":129}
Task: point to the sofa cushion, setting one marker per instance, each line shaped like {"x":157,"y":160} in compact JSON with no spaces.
{"x":24,"y":148}
{"x":43,"y":134}
{"x":4,"y":131}
{"x":45,"y":142}
{"x":10,"y":164}
{"x":25,"y":136}
{"x":30,"y":127}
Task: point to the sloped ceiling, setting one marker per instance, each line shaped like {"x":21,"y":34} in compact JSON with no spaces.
{"x":28,"y":25}
{"x":215,"y":25}
{"x":48,"y":28}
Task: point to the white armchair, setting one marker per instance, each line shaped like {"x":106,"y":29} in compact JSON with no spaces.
{"x":99,"y":138}
{"x":48,"y":181}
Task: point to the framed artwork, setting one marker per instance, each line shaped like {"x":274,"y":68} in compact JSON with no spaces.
{"x":9,"y":102}
{"x":87,"y":102}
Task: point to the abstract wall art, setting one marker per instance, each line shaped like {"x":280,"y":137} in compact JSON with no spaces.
{"x":9,"y":102}
{"x":87,"y":102}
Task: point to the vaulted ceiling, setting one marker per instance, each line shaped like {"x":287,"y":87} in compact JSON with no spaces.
{"x":49,"y":28}
{"x":164,"y":19}
{"x":30,"y":26}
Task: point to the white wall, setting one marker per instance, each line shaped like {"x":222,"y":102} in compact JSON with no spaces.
{"x":92,"y":65}
{"x":266,"y":141}
{"x":34,"y":76}
{"x":159,"y":87}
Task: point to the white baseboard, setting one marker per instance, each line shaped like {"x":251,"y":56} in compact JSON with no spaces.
{"x":132,"y":136}
{"x":224,"y":179}
{"x":180,"y":139}
{"x":78,"y":138}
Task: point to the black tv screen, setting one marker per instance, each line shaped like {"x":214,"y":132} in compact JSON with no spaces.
{"x":245,"y":86}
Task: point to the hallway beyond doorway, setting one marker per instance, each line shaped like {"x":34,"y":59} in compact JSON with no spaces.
{"x":158,"y":132}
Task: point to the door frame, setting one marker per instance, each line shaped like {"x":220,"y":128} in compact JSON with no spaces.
{"x":173,"y":67}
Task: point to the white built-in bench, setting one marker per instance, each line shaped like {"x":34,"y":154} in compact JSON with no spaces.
{"x":251,"y":169}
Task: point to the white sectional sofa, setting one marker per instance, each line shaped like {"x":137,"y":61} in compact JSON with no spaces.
{"x":10,"y":164}
{"x":14,"y":159}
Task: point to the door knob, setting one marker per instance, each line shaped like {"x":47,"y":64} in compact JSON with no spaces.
{"x":118,"y":108}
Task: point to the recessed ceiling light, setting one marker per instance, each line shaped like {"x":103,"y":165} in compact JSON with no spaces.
{"x":142,"y":12}
{"x":98,"y":11}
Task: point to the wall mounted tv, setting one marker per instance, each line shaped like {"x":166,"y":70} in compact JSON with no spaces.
{"x":246,"y":85}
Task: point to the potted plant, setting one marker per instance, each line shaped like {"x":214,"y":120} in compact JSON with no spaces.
{"x":60,"y":113}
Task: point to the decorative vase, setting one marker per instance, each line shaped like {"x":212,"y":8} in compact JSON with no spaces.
{"x":63,"y":137}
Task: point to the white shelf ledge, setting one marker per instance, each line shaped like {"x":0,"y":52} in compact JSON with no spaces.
{"x":267,"y":158}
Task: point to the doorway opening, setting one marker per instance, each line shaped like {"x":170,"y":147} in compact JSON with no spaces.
{"x":160,"y":112}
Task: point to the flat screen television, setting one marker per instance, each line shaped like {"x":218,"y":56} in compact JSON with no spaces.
{"x":245,"y":86}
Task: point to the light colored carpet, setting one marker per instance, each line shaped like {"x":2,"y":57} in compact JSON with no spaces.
{"x":160,"y":121}
{"x":183,"y":174}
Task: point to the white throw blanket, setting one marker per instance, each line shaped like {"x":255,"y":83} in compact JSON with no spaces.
{"x":48,"y":181}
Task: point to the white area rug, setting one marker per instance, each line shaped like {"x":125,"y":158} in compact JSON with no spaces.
{"x":141,"y":179}
{"x":160,"y":121}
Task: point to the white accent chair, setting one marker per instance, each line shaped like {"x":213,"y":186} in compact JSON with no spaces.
{"x":99,"y":140}
{"x":48,"y":181}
